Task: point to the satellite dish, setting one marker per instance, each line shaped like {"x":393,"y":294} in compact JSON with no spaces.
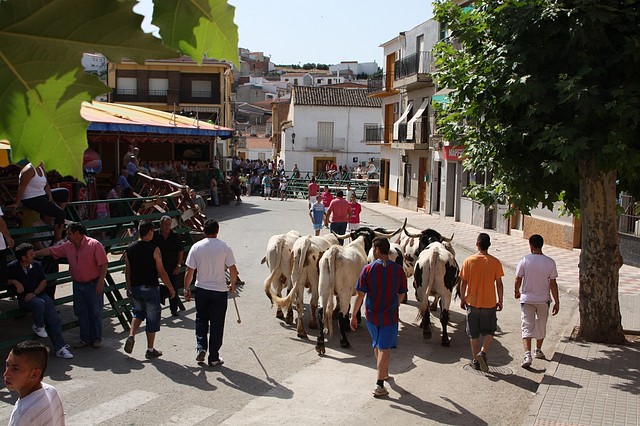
{"x":92,"y":163}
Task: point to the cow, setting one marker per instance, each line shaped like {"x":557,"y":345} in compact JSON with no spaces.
{"x":436,"y":274}
{"x":414,"y":241}
{"x":340,"y":267}
{"x":306,"y":253}
{"x":278,"y":259}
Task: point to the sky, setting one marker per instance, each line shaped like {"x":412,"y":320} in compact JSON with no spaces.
{"x":328,"y":32}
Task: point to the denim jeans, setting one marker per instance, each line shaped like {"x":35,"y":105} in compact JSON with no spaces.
{"x":339,"y":228}
{"x":44,"y":313}
{"x":174,"y":301}
{"x":211,"y":309}
{"x":145,"y":303}
{"x":87,"y":305}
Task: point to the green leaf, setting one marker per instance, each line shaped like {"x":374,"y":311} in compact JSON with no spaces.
{"x":198,"y":28}
{"x":42,"y":83}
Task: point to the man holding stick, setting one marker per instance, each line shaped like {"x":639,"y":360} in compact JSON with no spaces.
{"x":210,"y":257}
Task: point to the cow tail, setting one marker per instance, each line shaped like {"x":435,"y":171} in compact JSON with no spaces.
{"x":331,"y":266}
{"x":286,"y":301}
{"x":274,"y":266}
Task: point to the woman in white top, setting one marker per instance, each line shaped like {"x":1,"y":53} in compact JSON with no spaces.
{"x":34,"y":192}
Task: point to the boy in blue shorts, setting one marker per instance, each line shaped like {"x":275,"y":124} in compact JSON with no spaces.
{"x":316,"y":213}
{"x":385,"y":285}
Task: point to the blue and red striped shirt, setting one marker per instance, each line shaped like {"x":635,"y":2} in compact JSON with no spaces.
{"x":382,"y":283}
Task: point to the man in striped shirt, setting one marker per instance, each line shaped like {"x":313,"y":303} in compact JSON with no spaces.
{"x":385,"y":285}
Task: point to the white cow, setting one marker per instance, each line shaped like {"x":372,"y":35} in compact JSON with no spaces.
{"x":306,"y":255}
{"x":436,"y":274}
{"x":278,"y":259}
{"x":340,"y":267}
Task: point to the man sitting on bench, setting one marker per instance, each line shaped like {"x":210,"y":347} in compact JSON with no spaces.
{"x":30,"y":281}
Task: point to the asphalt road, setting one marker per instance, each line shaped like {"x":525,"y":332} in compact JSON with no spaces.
{"x":270,"y":376}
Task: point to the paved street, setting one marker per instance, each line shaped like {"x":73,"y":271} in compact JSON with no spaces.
{"x":272,"y":377}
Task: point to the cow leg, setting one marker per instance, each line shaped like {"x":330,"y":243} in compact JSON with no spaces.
{"x":320,"y":343}
{"x":279,"y":314}
{"x":444,"y":320}
{"x":313,"y":324}
{"x":343,"y":323}
{"x":302,"y":333}
{"x":289,"y":319}
{"x":426,"y":326}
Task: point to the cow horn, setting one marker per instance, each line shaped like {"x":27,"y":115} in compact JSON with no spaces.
{"x":448,"y":239}
{"x":342,"y":237}
{"x":407,"y":233}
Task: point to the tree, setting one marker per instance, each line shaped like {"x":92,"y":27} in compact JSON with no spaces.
{"x":545,"y":95}
{"x":42,"y":83}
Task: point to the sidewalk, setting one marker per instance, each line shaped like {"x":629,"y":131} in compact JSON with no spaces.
{"x":586,"y":383}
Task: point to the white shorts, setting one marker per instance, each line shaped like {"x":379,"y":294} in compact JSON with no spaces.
{"x":534,"y":320}
{"x":354,"y":226}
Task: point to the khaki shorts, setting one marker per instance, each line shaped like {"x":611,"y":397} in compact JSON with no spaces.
{"x":534,"y":320}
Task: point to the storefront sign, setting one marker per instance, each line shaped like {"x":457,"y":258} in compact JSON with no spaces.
{"x":453,"y":153}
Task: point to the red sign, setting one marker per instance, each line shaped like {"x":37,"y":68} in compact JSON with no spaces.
{"x":453,"y":153}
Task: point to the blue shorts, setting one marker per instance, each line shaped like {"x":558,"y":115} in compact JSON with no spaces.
{"x":384,"y":337}
{"x":481,"y":321}
{"x":145,"y":304}
{"x":317,"y":226}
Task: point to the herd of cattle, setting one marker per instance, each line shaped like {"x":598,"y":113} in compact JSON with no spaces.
{"x":328,"y":269}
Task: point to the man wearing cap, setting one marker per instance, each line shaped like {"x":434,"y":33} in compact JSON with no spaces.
{"x":172,"y":252}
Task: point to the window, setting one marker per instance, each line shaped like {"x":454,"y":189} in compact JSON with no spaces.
{"x":200,"y":89}
{"x":127,"y":86}
{"x":328,"y":81}
{"x":158,"y":86}
{"x":295,"y":81}
{"x":319,"y":81}
{"x":325,"y":135}
{"x":407,"y":180}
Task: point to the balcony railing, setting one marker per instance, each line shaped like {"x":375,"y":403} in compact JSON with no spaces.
{"x":164,"y":96}
{"x":418,"y":63}
{"x":325,"y":144}
{"x":379,"y":83}
{"x":384,"y":134}
{"x":138,"y":95}
{"x":377,"y":134}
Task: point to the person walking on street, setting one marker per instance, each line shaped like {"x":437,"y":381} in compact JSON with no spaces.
{"x":339,"y":212}
{"x":536,"y":276}
{"x":385,"y":285}
{"x":39,"y":403}
{"x":28,"y":276}
{"x":481,"y":277}
{"x":143,"y":266}
{"x":356,"y":208}
{"x":327,"y":197}
{"x":88,"y":266}
{"x":172,"y":252}
{"x":210,"y":257}
{"x":316,"y":213}
{"x":266,"y":183}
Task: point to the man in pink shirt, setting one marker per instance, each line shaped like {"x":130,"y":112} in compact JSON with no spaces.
{"x":88,"y":267}
{"x":339,"y":212}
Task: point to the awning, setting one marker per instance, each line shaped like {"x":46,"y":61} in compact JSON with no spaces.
{"x":415,"y":118}
{"x":121,"y":118}
{"x":396,"y":125}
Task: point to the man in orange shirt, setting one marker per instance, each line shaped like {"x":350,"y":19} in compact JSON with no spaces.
{"x":478,"y":275}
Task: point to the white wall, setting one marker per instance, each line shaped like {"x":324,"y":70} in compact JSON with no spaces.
{"x":348,"y":124}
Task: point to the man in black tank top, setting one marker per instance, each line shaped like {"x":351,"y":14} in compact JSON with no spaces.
{"x":143,"y":266}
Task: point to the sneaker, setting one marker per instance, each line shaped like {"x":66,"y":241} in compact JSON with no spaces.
{"x":475,"y":364}
{"x":482,"y":360}
{"x":64,"y":352}
{"x":40,"y":331}
{"x":215,"y":363}
{"x":538,"y":354}
{"x":526,"y":362}
{"x":128,"y":345}
{"x":380,"y":391}
{"x":175,"y":314}
{"x":154,"y":353}
{"x":201,"y":354}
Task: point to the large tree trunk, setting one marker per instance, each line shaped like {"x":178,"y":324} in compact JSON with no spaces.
{"x":600,"y":258}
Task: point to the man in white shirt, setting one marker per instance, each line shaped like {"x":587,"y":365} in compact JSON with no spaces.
{"x":39,"y":403}
{"x":210,"y":257}
{"x":535,"y":277}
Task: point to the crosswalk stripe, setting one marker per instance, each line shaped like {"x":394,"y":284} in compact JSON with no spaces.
{"x":190,"y":415}
{"x":111,"y":409}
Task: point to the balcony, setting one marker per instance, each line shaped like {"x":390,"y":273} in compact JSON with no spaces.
{"x":376,"y":135}
{"x":325,"y":144}
{"x":380,"y":86}
{"x":414,"y":71}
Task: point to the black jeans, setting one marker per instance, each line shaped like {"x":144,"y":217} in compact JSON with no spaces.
{"x":211,"y":309}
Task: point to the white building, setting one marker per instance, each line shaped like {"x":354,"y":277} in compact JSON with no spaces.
{"x":354,"y":67}
{"x":327,"y":124}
